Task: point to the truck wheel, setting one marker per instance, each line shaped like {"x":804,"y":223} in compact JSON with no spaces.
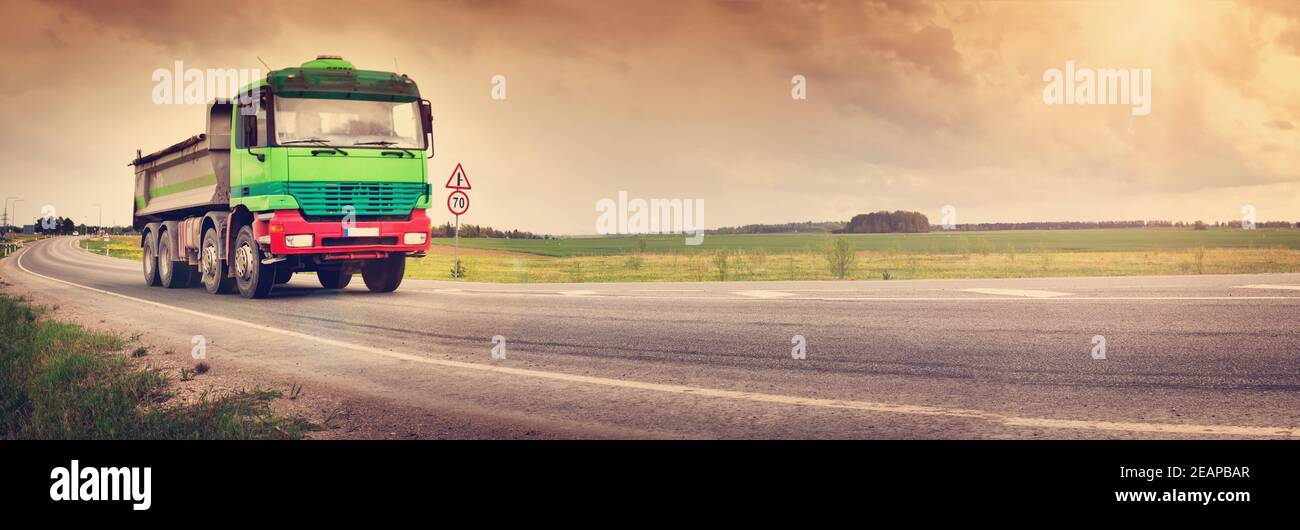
{"x":149,"y":261}
{"x":384,"y":275}
{"x":211,"y":267}
{"x":171,"y":275}
{"x":283,"y":275}
{"x":334,"y":279}
{"x":254,"y":279}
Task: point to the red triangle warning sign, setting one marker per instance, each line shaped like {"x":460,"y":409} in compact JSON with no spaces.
{"x":458,"y":179}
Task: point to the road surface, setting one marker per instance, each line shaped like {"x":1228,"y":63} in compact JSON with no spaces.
{"x":1186,"y":356}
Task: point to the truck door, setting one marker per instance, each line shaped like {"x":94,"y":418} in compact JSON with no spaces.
{"x":249,"y":162}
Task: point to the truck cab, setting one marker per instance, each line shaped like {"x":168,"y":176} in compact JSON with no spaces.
{"x":320,"y":168}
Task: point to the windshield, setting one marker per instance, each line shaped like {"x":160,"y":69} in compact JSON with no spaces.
{"x":347,"y":123}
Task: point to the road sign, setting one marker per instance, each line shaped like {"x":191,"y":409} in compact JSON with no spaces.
{"x":458,"y":203}
{"x":458,"y":179}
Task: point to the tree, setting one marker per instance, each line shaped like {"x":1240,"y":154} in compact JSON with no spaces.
{"x":883,"y":222}
{"x":840,"y":256}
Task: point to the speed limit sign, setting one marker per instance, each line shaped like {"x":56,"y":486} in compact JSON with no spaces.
{"x":458,"y":202}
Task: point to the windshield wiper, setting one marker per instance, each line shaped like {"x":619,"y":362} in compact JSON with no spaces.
{"x":386,"y":143}
{"x":319,"y":141}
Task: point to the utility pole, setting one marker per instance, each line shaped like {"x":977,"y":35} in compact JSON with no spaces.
{"x":5,"y":226}
{"x":101,"y":218}
{"x":20,"y":226}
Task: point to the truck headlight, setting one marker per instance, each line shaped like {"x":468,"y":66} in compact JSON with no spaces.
{"x":414,"y":238}
{"x":298,"y":241}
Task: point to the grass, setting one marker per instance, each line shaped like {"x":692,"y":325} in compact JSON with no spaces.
{"x":126,"y":247}
{"x":1000,"y":254}
{"x":1101,"y":240}
{"x":867,"y":265}
{"x":61,"y":381}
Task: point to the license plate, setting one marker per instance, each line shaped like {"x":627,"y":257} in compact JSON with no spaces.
{"x":361,"y":232}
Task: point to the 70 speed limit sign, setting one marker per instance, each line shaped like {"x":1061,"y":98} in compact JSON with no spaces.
{"x":458,"y":202}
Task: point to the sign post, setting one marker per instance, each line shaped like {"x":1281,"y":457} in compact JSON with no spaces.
{"x":457,"y":204}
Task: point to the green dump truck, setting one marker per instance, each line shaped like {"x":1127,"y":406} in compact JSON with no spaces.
{"x":319,"y":168}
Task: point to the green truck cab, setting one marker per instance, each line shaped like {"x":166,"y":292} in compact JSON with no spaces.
{"x":320,"y":168}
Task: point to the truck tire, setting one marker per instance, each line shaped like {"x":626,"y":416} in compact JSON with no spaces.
{"x":384,"y":275}
{"x":334,"y":279}
{"x":212,"y":269}
{"x":253,"y":279}
{"x":171,"y":274}
{"x":283,"y":275}
{"x":149,"y":261}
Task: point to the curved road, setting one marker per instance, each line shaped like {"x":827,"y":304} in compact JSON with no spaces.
{"x":1186,"y":356}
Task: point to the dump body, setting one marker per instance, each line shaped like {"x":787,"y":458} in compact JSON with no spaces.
{"x":189,"y":177}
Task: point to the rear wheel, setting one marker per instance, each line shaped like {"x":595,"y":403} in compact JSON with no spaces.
{"x":212,"y":268}
{"x":384,"y":275}
{"x":149,"y":261}
{"x":171,"y":274}
{"x":254,"y":279}
{"x":334,"y":279}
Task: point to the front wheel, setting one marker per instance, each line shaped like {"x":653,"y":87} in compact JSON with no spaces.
{"x":283,"y":275}
{"x":254,"y":279}
{"x":384,"y":275}
{"x":334,"y":279}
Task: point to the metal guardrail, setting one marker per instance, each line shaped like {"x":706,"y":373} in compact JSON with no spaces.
{"x":9,"y":248}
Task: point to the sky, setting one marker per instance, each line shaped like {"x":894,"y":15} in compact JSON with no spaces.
{"x":909,"y":106}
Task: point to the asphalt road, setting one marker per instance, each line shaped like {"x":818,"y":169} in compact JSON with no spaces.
{"x":1186,"y":356}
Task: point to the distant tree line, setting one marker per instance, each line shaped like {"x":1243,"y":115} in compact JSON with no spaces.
{"x":1083,"y":225}
{"x":781,"y":228}
{"x":468,"y":230}
{"x":55,"y":226}
{"x":897,"y":221}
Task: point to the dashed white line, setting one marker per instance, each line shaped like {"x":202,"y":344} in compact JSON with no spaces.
{"x":763,"y":294}
{"x":1270,"y":286}
{"x":1027,"y":293}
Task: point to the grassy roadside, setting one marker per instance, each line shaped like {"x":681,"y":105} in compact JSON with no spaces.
{"x":61,"y":381}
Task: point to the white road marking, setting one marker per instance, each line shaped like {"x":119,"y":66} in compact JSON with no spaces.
{"x":767,"y":295}
{"x":579,"y":293}
{"x":1028,"y":293}
{"x":1269,"y":286}
{"x":758,"y":397}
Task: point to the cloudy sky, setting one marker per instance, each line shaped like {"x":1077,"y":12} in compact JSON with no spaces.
{"x":909,"y":105}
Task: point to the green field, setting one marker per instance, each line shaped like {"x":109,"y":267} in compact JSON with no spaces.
{"x":1006,"y":254}
{"x":1107,"y":240}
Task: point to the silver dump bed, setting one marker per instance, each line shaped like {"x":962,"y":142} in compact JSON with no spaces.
{"x":188,"y":177}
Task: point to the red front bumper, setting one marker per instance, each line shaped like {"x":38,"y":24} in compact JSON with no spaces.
{"x":329,"y":237}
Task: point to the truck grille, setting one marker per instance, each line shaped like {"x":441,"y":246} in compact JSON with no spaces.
{"x":368,"y":198}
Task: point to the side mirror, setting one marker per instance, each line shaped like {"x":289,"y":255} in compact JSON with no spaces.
{"x":250,"y":136}
{"x":426,"y":117}
{"x":250,"y":130}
